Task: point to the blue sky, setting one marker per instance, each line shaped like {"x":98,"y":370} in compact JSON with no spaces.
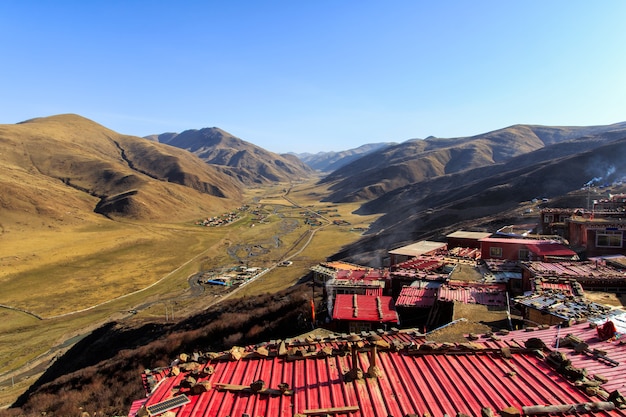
{"x":309,"y":76}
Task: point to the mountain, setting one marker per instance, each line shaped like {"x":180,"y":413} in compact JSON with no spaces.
{"x":249,"y":163}
{"x":62,"y":167}
{"x":489,"y":197}
{"x":332,"y":161}
{"x":419,"y":160}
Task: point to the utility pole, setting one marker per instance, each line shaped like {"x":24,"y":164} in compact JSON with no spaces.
{"x":169,"y":312}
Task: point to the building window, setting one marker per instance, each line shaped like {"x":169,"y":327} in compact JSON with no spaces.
{"x":609,"y":239}
{"x":495,"y":252}
{"x":548,"y":218}
{"x":524,"y":254}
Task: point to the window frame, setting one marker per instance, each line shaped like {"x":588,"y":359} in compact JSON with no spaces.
{"x":614,"y":239}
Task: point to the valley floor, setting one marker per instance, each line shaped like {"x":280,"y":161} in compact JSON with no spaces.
{"x":57,"y":285}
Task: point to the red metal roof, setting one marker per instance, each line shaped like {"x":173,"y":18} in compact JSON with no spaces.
{"x":473,"y":293}
{"x":422,"y":263}
{"x":615,"y":350}
{"x":547,"y":248}
{"x":379,"y":309}
{"x":417,"y":297}
{"x":362,"y":274}
{"x":517,"y":241}
{"x":574,"y":269}
{"x":563,"y":287}
{"x":436,"y":381}
{"x":464,"y":292}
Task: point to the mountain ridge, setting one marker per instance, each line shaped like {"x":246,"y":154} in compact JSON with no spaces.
{"x":418,"y":160}
{"x":331,"y":161}
{"x":251,"y":164}
{"x":50,"y":162}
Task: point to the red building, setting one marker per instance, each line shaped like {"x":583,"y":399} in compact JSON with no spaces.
{"x":553,"y":220}
{"x":597,"y":231}
{"x":355,"y":313}
{"x":525,"y":250}
{"x":595,"y":236}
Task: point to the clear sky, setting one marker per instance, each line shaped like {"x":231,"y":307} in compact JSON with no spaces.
{"x":318,"y":75}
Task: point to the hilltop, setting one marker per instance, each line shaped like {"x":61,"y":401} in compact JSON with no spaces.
{"x":248,"y":162}
{"x":58,"y":168}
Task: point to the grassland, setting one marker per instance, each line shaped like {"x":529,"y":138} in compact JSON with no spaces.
{"x":62,"y":282}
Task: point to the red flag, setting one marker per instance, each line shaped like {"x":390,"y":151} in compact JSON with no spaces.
{"x":312,"y":311}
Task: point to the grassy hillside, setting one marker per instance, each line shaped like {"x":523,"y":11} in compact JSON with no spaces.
{"x":248,"y":162}
{"x":422,"y":160}
{"x":490,"y":197}
{"x":66,"y":166}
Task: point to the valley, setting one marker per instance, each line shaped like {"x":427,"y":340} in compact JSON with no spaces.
{"x":61,"y":282}
{"x":107,"y":241}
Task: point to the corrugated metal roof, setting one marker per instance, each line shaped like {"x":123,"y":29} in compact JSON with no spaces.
{"x":361,"y":274}
{"x":472,"y":253}
{"x":546,"y":248}
{"x":473,"y":293}
{"x":615,"y":350}
{"x":422,"y":263}
{"x":443,"y":379}
{"x":417,"y":297}
{"x":562,"y":286}
{"x":379,"y":309}
{"x":573,"y":269}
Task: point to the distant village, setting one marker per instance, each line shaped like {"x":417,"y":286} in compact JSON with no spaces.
{"x":551,"y":351}
{"x":521,"y":275}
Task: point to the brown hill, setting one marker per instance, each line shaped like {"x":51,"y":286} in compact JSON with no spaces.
{"x":420,"y":160}
{"x":66,"y":166}
{"x":250,"y":163}
{"x":488,"y":196}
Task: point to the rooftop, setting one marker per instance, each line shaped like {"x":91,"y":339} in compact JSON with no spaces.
{"x":414,"y":296}
{"x":573,"y":269}
{"x":563,"y":306}
{"x":614,"y":369}
{"x":371,"y":308}
{"x":404,"y":374}
{"x":473,"y":293}
{"x":462,"y":234}
{"x":419,"y":248}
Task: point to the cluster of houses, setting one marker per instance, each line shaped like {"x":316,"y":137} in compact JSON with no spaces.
{"x":223,"y":220}
{"x":556,"y":353}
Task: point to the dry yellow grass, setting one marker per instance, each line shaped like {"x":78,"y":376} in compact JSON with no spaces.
{"x":94,"y":270}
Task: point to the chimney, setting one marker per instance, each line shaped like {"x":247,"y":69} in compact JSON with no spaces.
{"x":354,"y":373}
{"x":374,"y":371}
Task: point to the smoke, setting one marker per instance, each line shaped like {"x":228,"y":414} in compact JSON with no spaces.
{"x":608,"y":177}
{"x":593,"y":181}
{"x":610,"y":171}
